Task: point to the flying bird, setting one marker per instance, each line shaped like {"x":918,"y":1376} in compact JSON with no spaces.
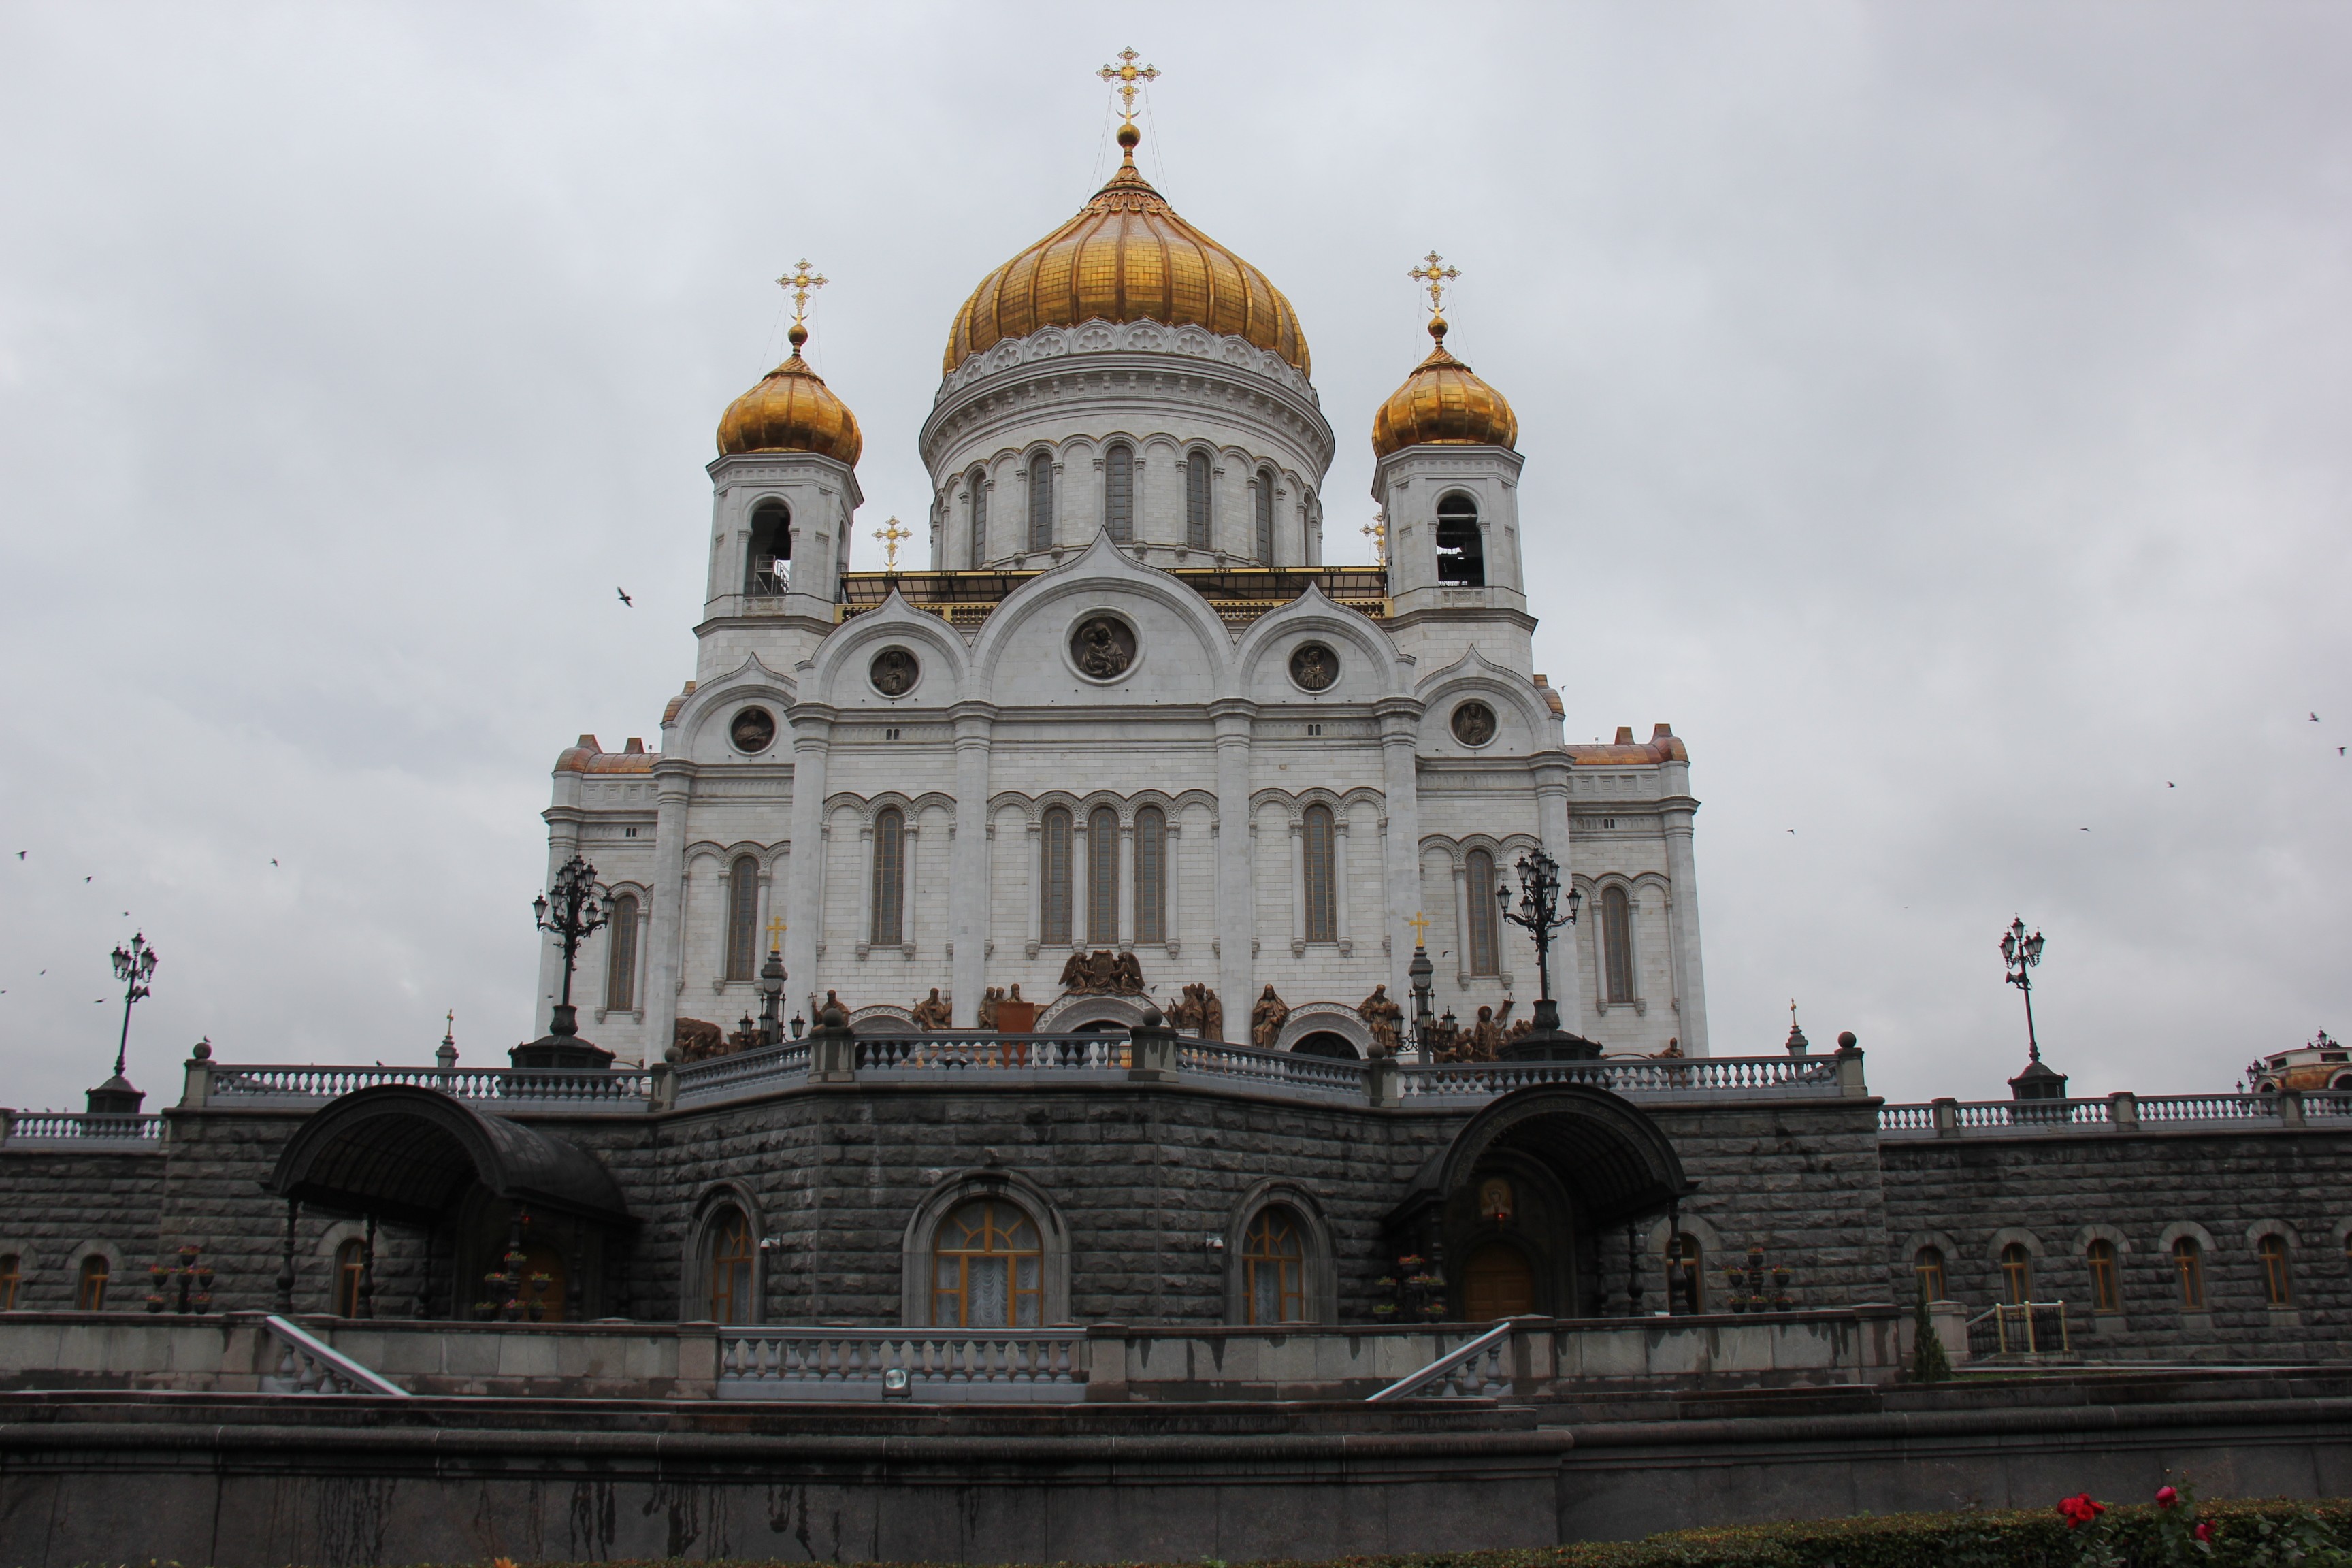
{"x":624,"y":598}
{"x":2169,"y":784}
{"x":20,"y":854}
{"x":85,"y":879}
{"x":2314,"y":718}
{"x":273,"y":860}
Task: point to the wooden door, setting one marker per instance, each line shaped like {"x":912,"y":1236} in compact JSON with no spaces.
{"x":1497,"y":1283}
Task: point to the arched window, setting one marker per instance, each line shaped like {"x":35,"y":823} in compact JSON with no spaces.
{"x":889,"y":877}
{"x":1102,"y":877}
{"x":976,"y":514}
{"x":742,"y":918}
{"x":1322,"y":904}
{"x":987,"y":1269}
{"x":1041,"y":502}
{"x":727,"y":1254}
{"x":1196,"y":500}
{"x":1478,"y":879}
{"x":1261,"y":499}
{"x":2106,"y":1288}
{"x":2017,"y":1273}
{"x":90,"y":1285}
{"x":2189,"y":1268}
{"x":1927,"y":1268}
{"x":1307,"y":530}
{"x":1684,"y":1248}
{"x":1054,"y":873}
{"x":1461,"y":548}
{"x":1274,"y":1268}
{"x":765,"y":567}
{"x":1617,"y":936}
{"x":350,"y":1268}
{"x":621,"y":956}
{"x":12,"y":1277}
{"x":2278,"y":1284}
{"x":1118,"y":493}
{"x":1151,"y":875}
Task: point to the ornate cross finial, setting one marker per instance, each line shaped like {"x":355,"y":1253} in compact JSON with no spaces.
{"x":1420,"y":923}
{"x":1376,"y":530}
{"x":1434,"y":275}
{"x":1127,"y":73}
{"x":776,"y":929}
{"x":800,"y":280}
{"x":889,"y":536}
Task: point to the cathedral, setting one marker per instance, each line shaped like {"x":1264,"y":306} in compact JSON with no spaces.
{"x":1127,"y":740}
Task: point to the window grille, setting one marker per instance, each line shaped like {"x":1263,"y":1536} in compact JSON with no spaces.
{"x":621,"y":956}
{"x":1102,"y":877}
{"x":2017,"y":1274}
{"x":90,"y":1286}
{"x":1263,"y":501}
{"x":2278,"y":1285}
{"x":1485,"y":949}
{"x":742,"y":918}
{"x":1151,"y":875}
{"x":1322,"y":906}
{"x":1054,"y":852}
{"x":1041,"y":502}
{"x":1928,"y":1264}
{"x":1273,"y":1273}
{"x":2189,"y":1268}
{"x":976,"y":510}
{"x":2106,"y":1290}
{"x":1196,"y":500}
{"x":889,"y":879}
{"x":1118,"y":493}
{"x":1617,"y":935}
{"x":987,"y":1269}
{"x":728,"y":1256}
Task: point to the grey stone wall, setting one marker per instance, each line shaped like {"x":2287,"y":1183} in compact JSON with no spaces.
{"x":56,"y":1206}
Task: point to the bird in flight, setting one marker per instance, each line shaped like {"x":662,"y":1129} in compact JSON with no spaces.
{"x":2314,"y":718}
{"x":624,"y":598}
{"x":20,"y":854}
{"x":85,"y":879}
{"x":2169,"y":784}
{"x":273,"y":860}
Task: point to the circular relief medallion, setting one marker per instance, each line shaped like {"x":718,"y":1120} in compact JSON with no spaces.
{"x":894,"y":671}
{"x":1474,"y":723}
{"x":754,"y":731}
{"x":1314,"y":666}
{"x":1103,"y":648}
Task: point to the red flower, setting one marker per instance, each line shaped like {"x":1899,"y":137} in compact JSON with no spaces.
{"x":2203,"y":1532}
{"x":2166,"y":1497}
{"x":2080,"y":1509}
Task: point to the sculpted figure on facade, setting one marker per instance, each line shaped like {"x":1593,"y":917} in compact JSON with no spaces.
{"x":1103,"y":973}
{"x":1385,"y":1018}
{"x":988,"y":1001}
{"x":1266,"y":1019}
{"x":930,"y":1012}
{"x":693,"y":1040}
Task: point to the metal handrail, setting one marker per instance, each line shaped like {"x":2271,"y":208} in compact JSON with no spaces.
{"x":1448,"y":1368}
{"x":328,"y":1366}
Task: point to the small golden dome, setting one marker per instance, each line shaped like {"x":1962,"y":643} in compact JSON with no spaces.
{"x":792,"y":410}
{"x":1440,"y":403}
{"x":1127,"y":256}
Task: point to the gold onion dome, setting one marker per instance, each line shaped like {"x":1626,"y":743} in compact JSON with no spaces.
{"x":1127,"y":256}
{"x":792,"y":410}
{"x":1442,"y":404}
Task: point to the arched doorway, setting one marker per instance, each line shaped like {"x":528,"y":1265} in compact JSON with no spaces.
{"x":1498,"y":1282}
{"x":1324,"y":1043}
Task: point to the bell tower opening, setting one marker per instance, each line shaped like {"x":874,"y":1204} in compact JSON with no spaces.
{"x":1461,"y":549}
{"x":767,"y":563}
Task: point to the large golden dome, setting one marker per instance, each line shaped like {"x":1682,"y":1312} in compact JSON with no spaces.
{"x":792,"y":410}
{"x":1442,"y":404}
{"x":1127,"y":256}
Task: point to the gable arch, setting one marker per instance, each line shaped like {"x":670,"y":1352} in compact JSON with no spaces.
{"x":1597,"y":1145}
{"x":952,"y":1192}
{"x":837,"y":675}
{"x":1102,"y":575}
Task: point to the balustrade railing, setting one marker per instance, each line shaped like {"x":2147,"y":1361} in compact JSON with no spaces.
{"x":1319,"y":1075}
{"x":2126,"y":1112}
{"x":78,"y":1126}
{"x":937,"y":1366}
{"x":1645,"y":1075}
{"x":947,"y":1050}
{"x":618,"y":1088}
{"x":311,"y":1365}
{"x":1469,"y":1371}
{"x":747,"y":1072}
{"x":2208,"y":1108}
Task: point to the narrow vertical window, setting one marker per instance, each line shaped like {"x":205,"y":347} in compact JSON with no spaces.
{"x":1927,"y":1268}
{"x":2107,"y":1291}
{"x":1461,"y":548}
{"x":2188,"y":1267}
{"x":1322,"y":907}
{"x":2278,"y":1285}
{"x":1617,"y":935}
{"x":2017,"y":1274}
{"x":1196,"y":500}
{"x":1054,"y":855}
{"x":743,"y":919}
{"x":1478,"y":877}
{"x":350,"y":1263}
{"x":12,"y":1276}
{"x":1263,"y":501}
{"x":766,"y":567}
{"x":1102,"y":877}
{"x":1151,"y":875}
{"x":1693,"y":1262}
{"x":90,"y":1285}
{"x":621,"y":956}
{"x":1274,"y":1271}
{"x":1118,"y":493}
{"x":1041,"y":502}
{"x":976,"y":511}
{"x":987,"y":1269}
{"x":889,"y":879}
{"x":727,"y":1266}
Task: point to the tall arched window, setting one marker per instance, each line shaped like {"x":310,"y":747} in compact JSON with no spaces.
{"x":350,"y":1266}
{"x":90,"y":1285}
{"x":2017,"y":1273}
{"x":766,"y":568}
{"x":12,"y":1277}
{"x":976,"y":515}
{"x":727,"y":1254}
{"x":1151,"y":875}
{"x":743,"y":919}
{"x":2107,"y":1287}
{"x":1927,"y":1268}
{"x":2278,"y":1284}
{"x":987,"y":1269}
{"x":1102,"y":877}
{"x":1322,"y":902}
{"x":1041,"y":502}
{"x":1478,"y":887}
{"x":1617,"y":936}
{"x":2189,"y":1267}
{"x":1053,"y":873}
{"x":1196,"y":500}
{"x":1461,"y":548}
{"x":889,"y":877}
{"x":1274,"y":1268}
{"x":1261,"y":499}
{"x":621,"y":956}
{"x":1118,"y":493}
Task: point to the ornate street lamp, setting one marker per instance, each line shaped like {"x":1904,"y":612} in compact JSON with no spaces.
{"x":571,"y":916}
{"x":135,"y":966}
{"x":1539,"y":914}
{"x":2019,"y":953}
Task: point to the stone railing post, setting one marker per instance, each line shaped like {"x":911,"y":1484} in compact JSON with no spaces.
{"x":1534,"y":1361}
{"x":1849,"y":1069}
{"x":697,"y":1361}
{"x":1151,"y":1050}
{"x":2290,"y":1108}
{"x":833,"y":1049}
{"x":1947,"y":1113}
{"x":1383,"y":1086}
{"x":661,"y":1092}
{"x":7,"y":1124}
{"x":2123,"y":1110}
{"x":1107,"y":1362}
{"x":198,"y":1090}
{"x":1950,"y":1320}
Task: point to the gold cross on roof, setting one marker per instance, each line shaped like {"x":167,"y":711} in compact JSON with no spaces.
{"x":1377,"y":532}
{"x":800,"y":280}
{"x":1127,"y":73}
{"x":1434,"y":275}
{"x":890,"y":537}
{"x":1420,"y":923}
{"x":776,"y":929}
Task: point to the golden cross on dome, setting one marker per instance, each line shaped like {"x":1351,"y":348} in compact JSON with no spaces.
{"x":776,"y":929}
{"x":1420,"y":923}
{"x":890,"y":537}
{"x":1127,"y":73}
{"x":1378,"y":533}
{"x":1434,"y":275}
{"x":800,"y":280}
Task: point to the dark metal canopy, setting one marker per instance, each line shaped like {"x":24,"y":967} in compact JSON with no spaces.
{"x":1604,"y":1148}
{"x":409,"y":1153}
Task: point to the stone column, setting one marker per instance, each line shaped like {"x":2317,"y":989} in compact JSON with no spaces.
{"x":812,"y":727}
{"x":1462,"y":926}
{"x":1682,"y":878}
{"x":968,"y":887}
{"x":1339,"y":881}
{"x":1081,"y":890}
{"x":1401,"y":848}
{"x":562,"y":843}
{"x":908,"y":849}
{"x":1552,"y":776}
{"x":664,"y":932}
{"x":866,"y":884}
{"x":1237,"y":898}
{"x":1171,"y":922}
{"x":1299,"y":888}
{"x":1123,"y":912}
{"x":1037,"y":884}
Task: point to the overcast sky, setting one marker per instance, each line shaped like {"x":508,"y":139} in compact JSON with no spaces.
{"x":1938,"y":414}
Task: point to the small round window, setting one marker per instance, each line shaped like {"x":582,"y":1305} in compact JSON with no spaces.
{"x":1103,"y":648}
{"x":1314,"y":666}
{"x":754,"y":731}
{"x":895,"y":671}
{"x":1474,"y":723}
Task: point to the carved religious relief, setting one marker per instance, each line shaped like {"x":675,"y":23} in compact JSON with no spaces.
{"x":1474,"y":723}
{"x":1199,"y":1010}
{"x":754,"y":731}
{"x":1103,"y":648}
{"x":930,"y":1012}
{"x":692,"y":1040}
{"x":1385,"y":1018}
{"x":1266,"y":1019}
{"x":1314,"y":666}
{"x":1103,"y":973}
{"x":894,"y":671}
{"x":1494,"y":1200}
